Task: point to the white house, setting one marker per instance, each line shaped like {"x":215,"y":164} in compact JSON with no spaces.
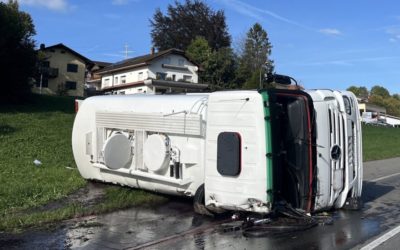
{"x":162,"y":72}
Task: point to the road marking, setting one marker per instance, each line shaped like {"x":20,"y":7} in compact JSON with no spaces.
{"x":381,"y":239}
{"x":384,"y":177}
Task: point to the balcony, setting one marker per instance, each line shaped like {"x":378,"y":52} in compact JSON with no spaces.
{"x":177,"y":67}
{"x":50,"y":72}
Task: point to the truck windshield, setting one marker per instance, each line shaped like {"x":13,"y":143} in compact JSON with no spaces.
{"x":292,"y":148}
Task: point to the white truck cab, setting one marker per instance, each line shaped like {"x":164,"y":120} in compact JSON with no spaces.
{"x":339,"y":148}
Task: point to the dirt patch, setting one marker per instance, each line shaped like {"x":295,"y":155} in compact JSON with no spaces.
{"x":88,"y":196}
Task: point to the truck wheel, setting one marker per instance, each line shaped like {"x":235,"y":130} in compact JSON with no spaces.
{"x":199,"y":202}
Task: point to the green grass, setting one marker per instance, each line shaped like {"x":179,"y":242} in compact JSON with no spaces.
{"x":42,"y":130}
{"x":380,"y":142}
{"x":39,"y":130}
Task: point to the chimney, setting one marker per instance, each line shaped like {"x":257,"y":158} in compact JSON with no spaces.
{"x":152,"y":50}
{"x":42,"y":46}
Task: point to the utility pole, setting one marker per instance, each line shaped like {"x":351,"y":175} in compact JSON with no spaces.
{"x":41,"y":79}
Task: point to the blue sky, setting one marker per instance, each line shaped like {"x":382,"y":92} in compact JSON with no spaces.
{"x":322,"y":44}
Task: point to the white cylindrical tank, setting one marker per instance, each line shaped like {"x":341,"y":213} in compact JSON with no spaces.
{"x":112,"y":139}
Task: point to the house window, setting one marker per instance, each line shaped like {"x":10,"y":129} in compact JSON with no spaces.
{"x":71,"y":67}
{"x":181,"y":62}
{"x":62,"y":51}
{"x":140,"y":76}
{"x":70,"y":85}
{"x":161,"y":76}
{"x":167,"y":60}
{"x":123,"y":79}
{"x":116,"y":80}
{"x":106,"y":82}
{"x":173,"y":77}
{"x":187,"y":78}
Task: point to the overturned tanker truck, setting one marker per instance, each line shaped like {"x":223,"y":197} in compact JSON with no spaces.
{"x":230,"y":150}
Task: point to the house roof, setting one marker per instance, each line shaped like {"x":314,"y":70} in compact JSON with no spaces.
{"x":102,"y":64}
{"x":140,"y":61}
{"x":62,"y":46}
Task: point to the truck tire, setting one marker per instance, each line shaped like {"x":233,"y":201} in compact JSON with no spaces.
{"x":199,"y":202}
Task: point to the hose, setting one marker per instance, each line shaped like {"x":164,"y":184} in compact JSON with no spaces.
{"x":284,"y":220}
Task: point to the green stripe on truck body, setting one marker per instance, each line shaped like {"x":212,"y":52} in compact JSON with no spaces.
{"x":268,"y":144}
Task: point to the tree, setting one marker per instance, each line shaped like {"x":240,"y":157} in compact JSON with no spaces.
{"x":219,"y":69}
{"x":17,"y":52}
{"x":186,"y":21}
{"x":255,"y":61}
{"x":379,"y":90}
{"x":253,"y":82}
{"x":392,"y":106}
{"x":199,"y":50}
{"x":361,"y":92}
{"x":396,"y":96}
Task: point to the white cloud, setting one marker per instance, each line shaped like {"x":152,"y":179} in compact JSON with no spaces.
{"x":331,"y":32}
{"x":57,"y":5}
{"x":394,"y":33}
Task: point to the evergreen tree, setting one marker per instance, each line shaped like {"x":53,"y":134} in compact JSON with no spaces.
{"x":255,"y":60}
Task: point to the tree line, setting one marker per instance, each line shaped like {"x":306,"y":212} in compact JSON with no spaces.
{"x":202,"y":33}
{"x":380,"y":96}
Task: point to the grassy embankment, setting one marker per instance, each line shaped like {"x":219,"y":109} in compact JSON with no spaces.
{"x":42,"y":130}
{"x":380,"y":142}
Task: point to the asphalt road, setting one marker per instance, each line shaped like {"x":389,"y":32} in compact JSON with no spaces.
{"x":175,"y":226}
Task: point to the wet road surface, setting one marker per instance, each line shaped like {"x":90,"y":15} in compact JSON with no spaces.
{"x":175,"y":226}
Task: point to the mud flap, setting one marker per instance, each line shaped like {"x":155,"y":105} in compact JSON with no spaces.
{"x":353,"y":203}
